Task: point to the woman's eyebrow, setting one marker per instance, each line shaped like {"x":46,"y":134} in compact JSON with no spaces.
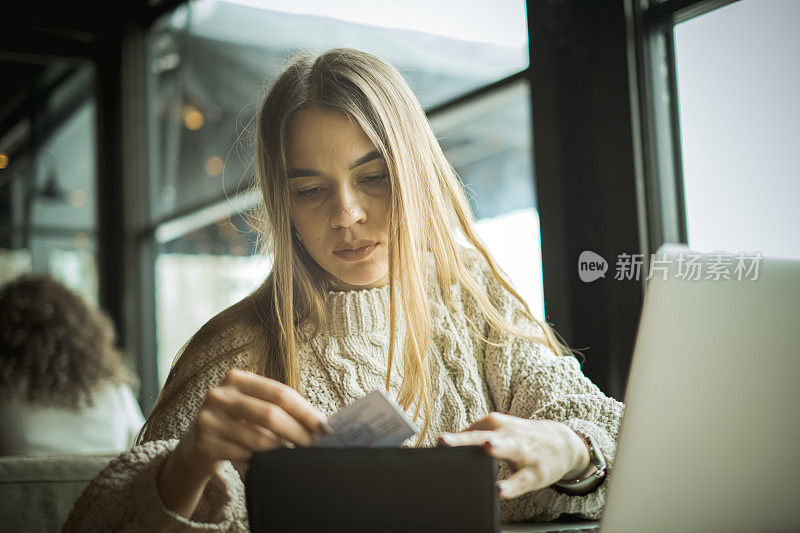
{"x":375,"y":154}
{"x":298,"y":172}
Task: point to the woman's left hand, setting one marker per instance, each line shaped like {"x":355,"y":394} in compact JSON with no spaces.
{"x":540,"y":452}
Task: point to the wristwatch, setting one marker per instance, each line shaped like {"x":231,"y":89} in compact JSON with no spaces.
{"x":594,"y":458}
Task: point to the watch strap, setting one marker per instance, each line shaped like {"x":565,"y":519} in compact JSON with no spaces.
{"x":595,"y":458}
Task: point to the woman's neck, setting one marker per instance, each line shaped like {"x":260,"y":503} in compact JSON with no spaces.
{"x":339,"y":285}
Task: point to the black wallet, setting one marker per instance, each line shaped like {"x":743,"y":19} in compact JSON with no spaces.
{"x":443,"y":489}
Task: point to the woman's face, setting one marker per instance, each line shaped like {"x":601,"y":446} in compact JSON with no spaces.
{"x":342,"y":197}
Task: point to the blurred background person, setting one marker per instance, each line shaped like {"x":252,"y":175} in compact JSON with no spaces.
{"x":63,"y":386}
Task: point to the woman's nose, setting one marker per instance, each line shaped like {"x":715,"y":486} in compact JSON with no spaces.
{"x":347,"y":209}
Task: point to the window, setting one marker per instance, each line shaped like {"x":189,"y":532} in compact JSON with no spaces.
{"x":740,"y":126}
{"x":47,"y":185}
{"x":200,"y":273}
{"x":719,"y":123}
{"x":488,"y":142}
{"x":212,"y":58}
{"x":210,"y":62}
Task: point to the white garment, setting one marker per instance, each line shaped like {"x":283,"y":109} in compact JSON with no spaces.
{"x":107,"y":427}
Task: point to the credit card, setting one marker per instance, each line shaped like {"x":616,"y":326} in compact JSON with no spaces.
{"x":371,"y":421}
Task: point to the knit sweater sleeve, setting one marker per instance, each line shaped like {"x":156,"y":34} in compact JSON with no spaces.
{"x":528,"y":380}
{"x":124,"y":495}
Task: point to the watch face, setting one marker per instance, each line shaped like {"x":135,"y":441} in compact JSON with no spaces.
{"x":597,"y":457}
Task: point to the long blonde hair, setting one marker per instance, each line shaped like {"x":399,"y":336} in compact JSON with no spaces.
{"x":427,"y":205}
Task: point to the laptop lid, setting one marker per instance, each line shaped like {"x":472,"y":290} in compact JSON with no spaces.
{"x":711,"y":433}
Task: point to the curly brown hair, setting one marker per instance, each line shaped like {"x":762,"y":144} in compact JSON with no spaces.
{"x":55,"y":348}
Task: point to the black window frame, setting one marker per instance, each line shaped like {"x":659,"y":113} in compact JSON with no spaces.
{"x":657,"y":113}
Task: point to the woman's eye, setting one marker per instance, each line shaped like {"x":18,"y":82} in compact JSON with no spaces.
{"x":314,"y":191}
{"x":375,"y":179}
{"x":309,"y":193}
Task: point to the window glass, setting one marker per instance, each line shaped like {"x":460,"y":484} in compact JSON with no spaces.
{"x":198,"y":275}
{"x":47,"y":188}
{"x":488,"y":142}
{"x":201,"y":271}
{"x":740,"y":127}
{"x":210,"y":59}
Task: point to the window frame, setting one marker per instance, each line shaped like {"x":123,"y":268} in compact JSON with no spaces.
{"x":656,"y":111}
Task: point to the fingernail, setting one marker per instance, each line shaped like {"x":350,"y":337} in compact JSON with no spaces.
{"x":325,"y":428}
{"x":493,"y":443}
{"x":443,"y":440}
{"x":501,"y":487}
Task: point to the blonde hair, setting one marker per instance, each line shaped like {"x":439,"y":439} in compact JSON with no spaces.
{"x":427,"y":204}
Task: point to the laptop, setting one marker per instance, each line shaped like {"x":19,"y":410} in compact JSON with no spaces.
{"x":710,"y":439}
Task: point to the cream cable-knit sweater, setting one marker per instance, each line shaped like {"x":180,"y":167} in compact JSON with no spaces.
{"x":470,"y":379}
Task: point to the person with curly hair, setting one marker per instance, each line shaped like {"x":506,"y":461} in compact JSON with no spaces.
{"x":63,"y":386}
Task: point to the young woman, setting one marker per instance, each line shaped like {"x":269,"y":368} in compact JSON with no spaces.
{"x":369,"y":288}
{"x":63,"y":386}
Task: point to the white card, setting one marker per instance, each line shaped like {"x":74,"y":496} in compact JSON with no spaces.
{"x":374,"y":420}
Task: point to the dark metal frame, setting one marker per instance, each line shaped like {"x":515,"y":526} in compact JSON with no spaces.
{"x":477,"y":93}
{"x":585,"y":177}
{"x":677,"y":11}
{"x":658,"y":154}
{"x":43,"y":125}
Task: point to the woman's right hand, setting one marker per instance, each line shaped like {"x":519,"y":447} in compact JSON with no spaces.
{"x":245,"y":414}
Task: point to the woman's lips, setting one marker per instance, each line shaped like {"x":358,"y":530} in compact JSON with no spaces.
{"x":356,"y":255}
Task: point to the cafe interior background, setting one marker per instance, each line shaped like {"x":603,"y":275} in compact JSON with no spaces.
{"x":612,"y":126}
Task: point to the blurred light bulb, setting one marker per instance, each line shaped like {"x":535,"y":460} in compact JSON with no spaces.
{"x":214,"y":166}
{"x":192,"y":118}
